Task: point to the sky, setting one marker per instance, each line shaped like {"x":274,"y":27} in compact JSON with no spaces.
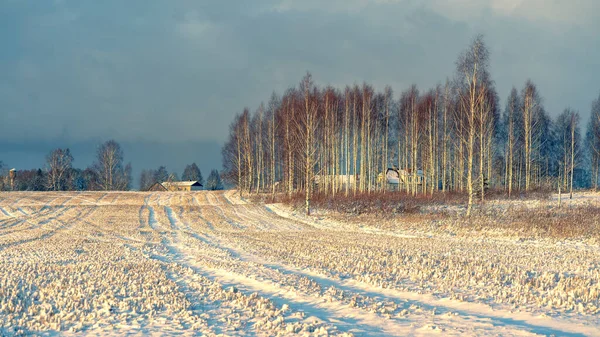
{"x":165,"y":78}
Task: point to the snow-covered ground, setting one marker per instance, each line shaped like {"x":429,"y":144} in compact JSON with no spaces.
{"x":209,"y":263}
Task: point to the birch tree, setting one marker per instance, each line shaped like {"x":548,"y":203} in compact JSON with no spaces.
{"x":58,"y":164}
{"x":112,"y":175}
{"x":307,"y":125}
{"x":593,"y":136}
{"x":530,"y":109}
{"x":472,"y":68}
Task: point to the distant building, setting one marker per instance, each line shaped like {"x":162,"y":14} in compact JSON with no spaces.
{"x":394,"y":176}
{"x":12,"y":175}
{"x":337,"y":179}
{"x":176,"y":186}
{"x":157,"y":187}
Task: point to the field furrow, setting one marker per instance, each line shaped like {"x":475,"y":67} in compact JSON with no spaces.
{"x":212,"y":263}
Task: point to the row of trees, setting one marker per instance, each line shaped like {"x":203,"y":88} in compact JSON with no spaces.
{"x":190,"y":173}
{"x":107,"y":173}
{"x":456,"y":134}
{"x":214,"y":182}
{"x":160,"y":175}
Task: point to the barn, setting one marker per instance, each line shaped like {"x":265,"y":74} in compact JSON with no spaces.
{"x":176,"y":186}
{"x":157,"y":187}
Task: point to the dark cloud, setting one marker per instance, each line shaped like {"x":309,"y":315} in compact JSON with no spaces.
{"x":169,"y":72}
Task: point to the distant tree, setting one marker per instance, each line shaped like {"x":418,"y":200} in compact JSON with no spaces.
{"x":509,"y":129}
{"x":30,"y":180}
{"x":325,"y":141}
{"x":307,"y":125}
{"x":575,"y":139}
{"x":256,"y":124}
{"x":58,"y":165}
{"x":112,"y":175}
{"x":546,"y":154}
{"x":234,"y":163}
{"x":91,"y":178}
{"x":568,"y":133}
{"x":2,"y":175}
{"x":128,"y":177}
{"x":78,"y":181}
{"x":192,"y":173}
{"x":147,"y":179}
{"x":531,"y":108}
{"x":214,"y":182}
{"x":38,"y":182}
{"x":161,"y":175}
{"x":173,"y":176}
{"x":593,"y":141}
{"x":472,"y":85}
{"x":271,"y":118}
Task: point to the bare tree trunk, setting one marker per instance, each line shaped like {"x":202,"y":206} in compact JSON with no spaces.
{"x":308,"y":171}
{"x":363,"y":145}
{"x":573,"y":127}
{"x":388,"y":97}
{"x":355,"y":141}
{"x":470,"y":151}
{"x":511,"y":142}
{"x":445,"y":137}
{"x":432,"y":117}
{"x":239,"y":152}
{"x":347,"y":138}
{"x":273,"y":173}
{"x":260,"y":153}
{"x":368,"y":156}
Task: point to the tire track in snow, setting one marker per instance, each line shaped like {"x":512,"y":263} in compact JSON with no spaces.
{"x":152,"y":222}
{"x":172,"y":218}
{"x":469,"y":313}
{"x":343,"y":317}
{"x":259,"y":216}
{"x":35,"y":220}
{"x":226,"y":255}
{"x":182,"y":257}
{"x":212,"y":213}
{"x":273,"y":290}
{"x":201,"y":215}
{"x":6,"y":213}
{"x":242,"y":220}
{"x":142,"y":218}
{"x":483,"y":315}
{"x":58,"y":225}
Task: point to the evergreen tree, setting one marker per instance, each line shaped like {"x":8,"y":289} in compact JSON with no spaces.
{"x":39,"y":181}
{"x":161,"y":175}
{"x":192,"y":173}
{"x":214,"y":183}
{"x":146,"y":179}
{"x":78,"y":181}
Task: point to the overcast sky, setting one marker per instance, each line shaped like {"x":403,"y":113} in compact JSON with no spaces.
{"x":175,"y":72}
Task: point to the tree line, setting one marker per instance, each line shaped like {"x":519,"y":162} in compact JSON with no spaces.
{"x":455,"y":136}
{"x":191,"y":173}
{"x":108,"y":173}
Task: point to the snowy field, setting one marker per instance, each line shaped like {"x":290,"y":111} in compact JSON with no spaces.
{"x":209,"y":263}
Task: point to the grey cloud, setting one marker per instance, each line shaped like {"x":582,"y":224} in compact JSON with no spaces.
{"x":178,"y":71}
